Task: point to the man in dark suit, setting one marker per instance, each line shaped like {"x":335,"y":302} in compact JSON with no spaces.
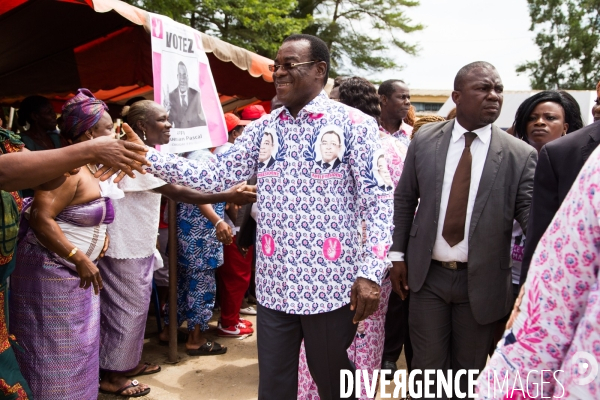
{"x":559,"y":164}
{"x":470,"y":180}
{"x":185,"y":108}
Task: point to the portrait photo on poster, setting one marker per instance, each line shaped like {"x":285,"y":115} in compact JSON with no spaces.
{"x":268,"y":149}
{"x":181,"y":91}
{"x":329,"y":149}
{"x":381,"y":171}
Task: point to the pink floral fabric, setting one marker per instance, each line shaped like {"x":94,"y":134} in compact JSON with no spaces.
{"x":367,"y":348}
{"x":395,"y":154}
{"x":558,"y":325}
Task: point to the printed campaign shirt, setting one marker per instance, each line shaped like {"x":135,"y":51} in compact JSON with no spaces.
{"x":558,"y":324}
{"x":318,"y":178}
{"x":403,"y":134}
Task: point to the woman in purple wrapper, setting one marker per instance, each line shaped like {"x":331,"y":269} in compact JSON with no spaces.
{"x":55,"y":307}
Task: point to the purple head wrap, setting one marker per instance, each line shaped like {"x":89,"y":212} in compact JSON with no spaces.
{"x":81,"y":113}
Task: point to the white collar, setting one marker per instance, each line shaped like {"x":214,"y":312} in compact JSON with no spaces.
{"x":484,"y":134}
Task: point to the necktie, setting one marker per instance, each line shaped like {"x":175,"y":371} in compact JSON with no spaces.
{"x":261,"y":164}
{"x":456,"y":212}
{"x":326,"y":165}
{"x":183,"y":102}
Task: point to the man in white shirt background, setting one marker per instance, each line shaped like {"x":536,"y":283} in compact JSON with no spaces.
{"x":470,"y":180}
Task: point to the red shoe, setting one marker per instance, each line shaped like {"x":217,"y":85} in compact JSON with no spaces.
{"x":245,"y":322}
{"x":234,"y":331}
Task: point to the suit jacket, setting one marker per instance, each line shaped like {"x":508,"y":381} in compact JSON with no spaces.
{"x":559,"y":164}
{"x":192,"y":116}
{"x":332,"y":166}
{"x":504,"y":194}
{"x":247,"y":233}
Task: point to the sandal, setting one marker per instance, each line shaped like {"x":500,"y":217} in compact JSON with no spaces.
{"x":144,"y":371}
{"x":119,"y":392}
{"x":208,"y":349}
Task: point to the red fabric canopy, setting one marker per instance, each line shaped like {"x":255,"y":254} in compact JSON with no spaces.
{"x":101,"y":45}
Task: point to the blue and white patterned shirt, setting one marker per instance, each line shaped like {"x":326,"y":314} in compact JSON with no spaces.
{"x":319,"y":175}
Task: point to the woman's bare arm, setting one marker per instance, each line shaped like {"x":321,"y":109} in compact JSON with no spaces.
{"x":223,"y":231}
{"x":46,"y":206}
{"x":236,"y":194}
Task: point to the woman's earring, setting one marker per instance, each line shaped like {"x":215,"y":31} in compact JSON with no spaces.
{"x":144,"y":134}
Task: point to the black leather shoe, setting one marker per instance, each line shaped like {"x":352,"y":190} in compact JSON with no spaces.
{"x":391,"y":366}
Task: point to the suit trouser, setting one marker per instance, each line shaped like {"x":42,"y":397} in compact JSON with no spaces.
{"x":327,"y":337}
{"x":234,"y":279}
{"x":396,"y":331}
{"x":443,"y":330}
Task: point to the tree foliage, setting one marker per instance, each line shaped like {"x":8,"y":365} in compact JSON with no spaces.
{"x":360,"y":33}
{"x":568,"y":36}
{"x":256,"y":25}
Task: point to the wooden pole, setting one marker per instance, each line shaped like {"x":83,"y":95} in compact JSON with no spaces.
{"x":173,"y":328}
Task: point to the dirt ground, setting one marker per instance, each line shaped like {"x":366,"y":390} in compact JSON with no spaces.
{"x":233,"y":375}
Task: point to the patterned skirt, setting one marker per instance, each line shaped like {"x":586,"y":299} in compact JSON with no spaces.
{"x":12,"y":383}
{"x":124,"y":306}
{"x":58,"y":326}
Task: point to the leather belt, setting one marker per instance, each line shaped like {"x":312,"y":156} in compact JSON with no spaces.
{"x":453,"y":265}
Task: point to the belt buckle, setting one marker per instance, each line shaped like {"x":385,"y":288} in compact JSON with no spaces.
{"x":450,"y":265}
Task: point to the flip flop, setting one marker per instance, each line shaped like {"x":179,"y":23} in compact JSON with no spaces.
{"x":144,"y":371}
{"x":119,"y":392}
{"x":208,"y":349}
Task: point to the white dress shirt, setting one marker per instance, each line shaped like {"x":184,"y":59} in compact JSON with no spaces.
{"x":479,"y":149}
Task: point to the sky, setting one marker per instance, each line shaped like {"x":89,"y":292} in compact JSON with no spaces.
{"x":458,"y":32}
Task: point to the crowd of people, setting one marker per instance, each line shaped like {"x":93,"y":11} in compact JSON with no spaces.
{"x":361,"y":229}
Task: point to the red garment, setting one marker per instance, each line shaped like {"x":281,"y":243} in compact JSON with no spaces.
{"x":163,"y":222}
{"x":234,"y":279}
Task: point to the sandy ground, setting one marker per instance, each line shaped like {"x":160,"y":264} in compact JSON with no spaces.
{"x":233,"y":375}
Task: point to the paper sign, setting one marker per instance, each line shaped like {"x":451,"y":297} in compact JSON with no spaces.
{"x":184,"y":85}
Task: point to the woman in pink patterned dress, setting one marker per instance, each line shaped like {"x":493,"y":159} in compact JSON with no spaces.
{"x":367,"y":348}
{"x":551,"y":347}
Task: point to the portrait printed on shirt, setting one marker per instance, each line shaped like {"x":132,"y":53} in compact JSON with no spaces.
{"x":329,"y":149}
{"x":268,"y":149}
{"x":381,"y":172}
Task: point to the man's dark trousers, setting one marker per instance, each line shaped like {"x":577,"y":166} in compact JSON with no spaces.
{"x":327,"y":337}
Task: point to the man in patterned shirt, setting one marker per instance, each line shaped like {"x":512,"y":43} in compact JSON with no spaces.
{"x":314,"y":278}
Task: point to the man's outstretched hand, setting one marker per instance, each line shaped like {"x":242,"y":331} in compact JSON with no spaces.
{"x":119,"y":156}
{"x":241,"y":194}
{"x":364,"y":298}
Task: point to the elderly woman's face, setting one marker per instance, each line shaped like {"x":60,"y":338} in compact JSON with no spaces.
{"x":104,"y":127}
{"x":158,"y":128}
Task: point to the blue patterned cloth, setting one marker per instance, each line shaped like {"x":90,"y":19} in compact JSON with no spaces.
{"x":199,"y":254}
{"x":318,"y":178}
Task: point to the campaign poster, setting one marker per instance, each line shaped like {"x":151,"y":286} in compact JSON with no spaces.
{"x":184,"y":85}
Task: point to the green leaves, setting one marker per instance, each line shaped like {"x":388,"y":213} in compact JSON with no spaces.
{"x":568,"y":37}
{"x":257,"y":25}
{"x":360,"y":33}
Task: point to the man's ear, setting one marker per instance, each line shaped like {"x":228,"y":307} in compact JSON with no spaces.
{"x":383,"y":99}
{"x":456,"y":97}
{"x":321,"y":70}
